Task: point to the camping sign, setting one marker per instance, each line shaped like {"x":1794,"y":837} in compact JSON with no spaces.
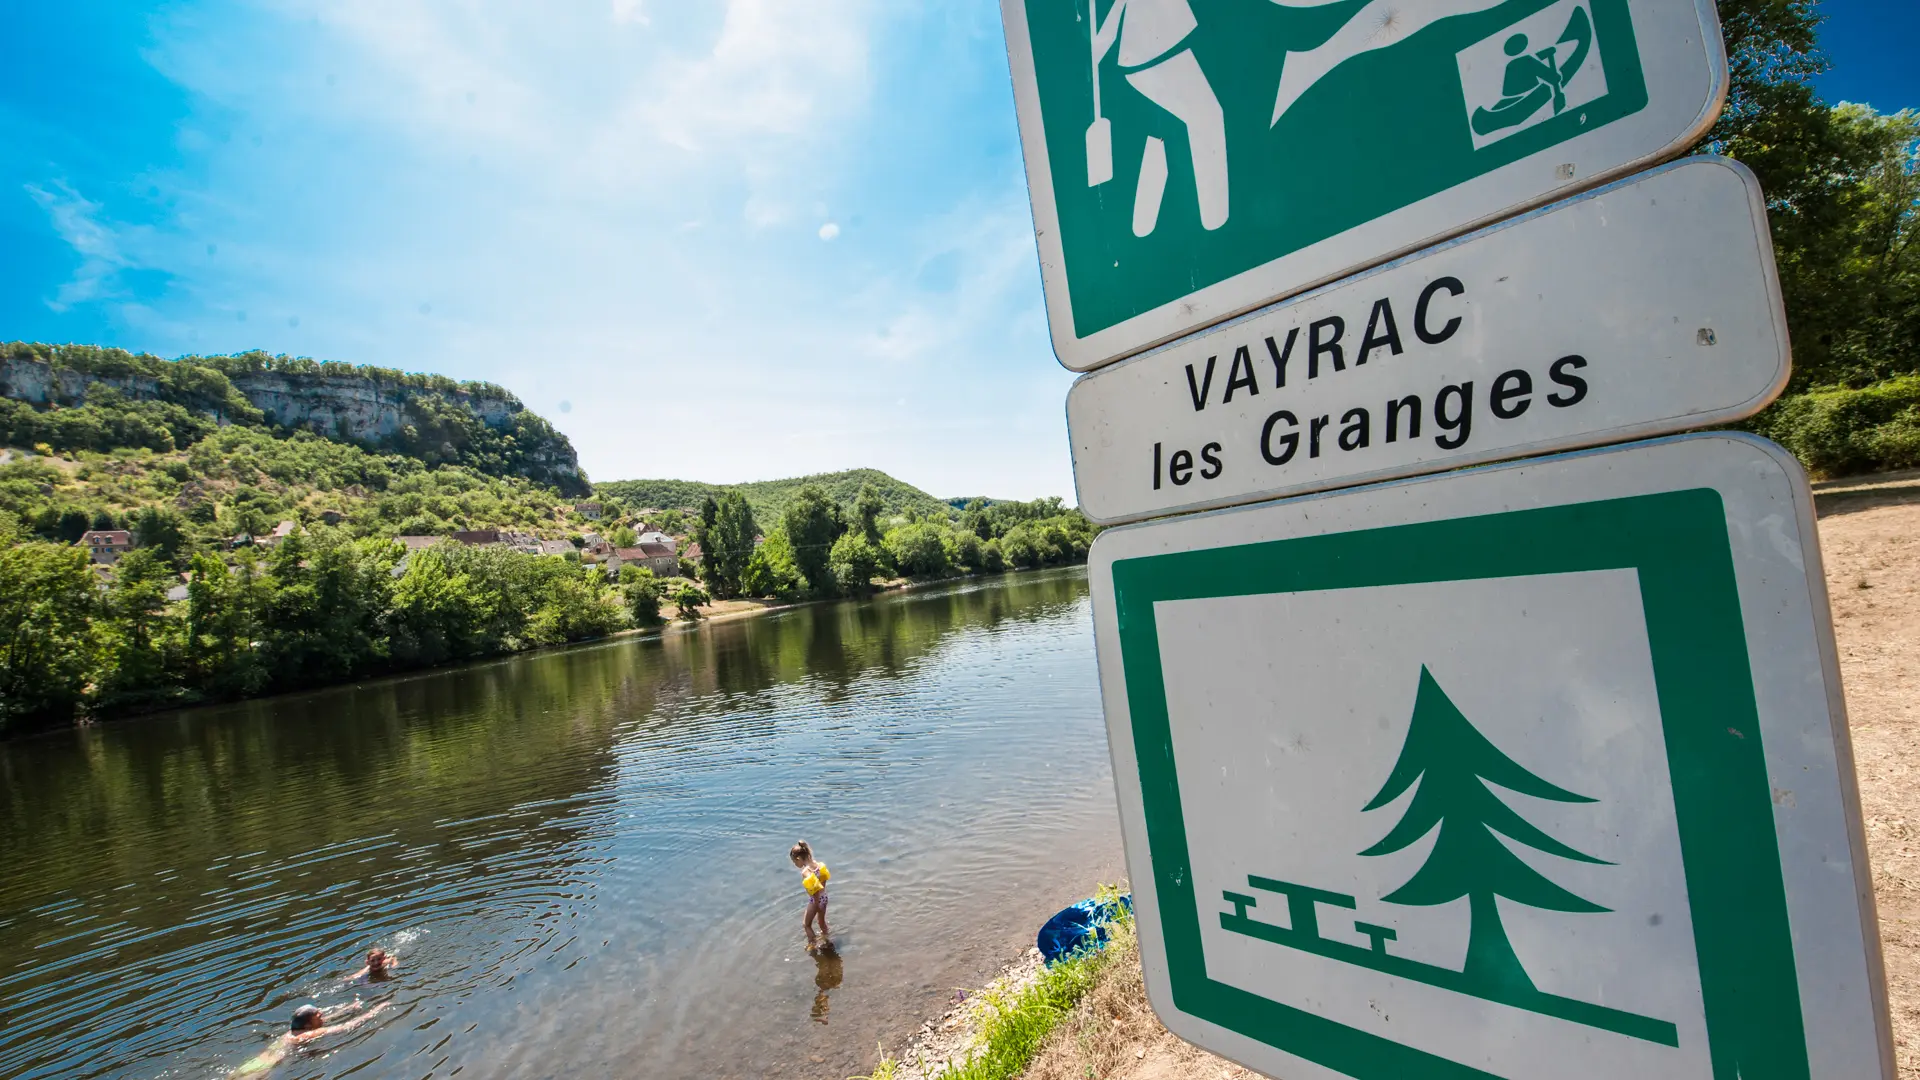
{"x":1190,"y":160}
{"x":1542,"y":762}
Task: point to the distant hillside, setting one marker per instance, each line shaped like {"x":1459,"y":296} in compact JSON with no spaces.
{"x":86,"y":398}
{"x":769,"y":497}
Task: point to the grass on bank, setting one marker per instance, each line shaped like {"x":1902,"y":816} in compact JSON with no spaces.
{"x":1014,"y":1024}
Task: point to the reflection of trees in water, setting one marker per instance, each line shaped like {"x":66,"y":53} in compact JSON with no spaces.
{"x":293,"y":773}
{"x":835,"y":645}
{"x":289,"y":774}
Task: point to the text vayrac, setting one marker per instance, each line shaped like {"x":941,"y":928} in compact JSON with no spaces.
{"x":1324,"y":348}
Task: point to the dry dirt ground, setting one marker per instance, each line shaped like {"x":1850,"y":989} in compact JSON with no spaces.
{"x":1870,"y":539}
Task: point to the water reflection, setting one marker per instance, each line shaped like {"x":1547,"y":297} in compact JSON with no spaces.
{"x":829,"y":972}
{"x":571,"y":854}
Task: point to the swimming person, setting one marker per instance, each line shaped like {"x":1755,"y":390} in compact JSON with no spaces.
{"x":813,"y":878}
{"x":379,"y":967}
{"x":308,"y":1024}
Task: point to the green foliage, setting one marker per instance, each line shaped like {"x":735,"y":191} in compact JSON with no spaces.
{"x":110,"y":399}
{"x":688,"y":598}
{"x":642,"y":592}
{"x":919,"y":550}
{"x":812,"y":523}
{"x":244,"y":480}
{"x":159,"y":530}
{"x":1841,"y":195}
{"x":727,"y":547}
{"x":1014,"y":1024}
{"x":769,"y":498}
{"x":322,"y":607}
{"x":771,"y":571}
{"x":1836,"y":431}
{"x":853,"y":562}
{"x":47,"y":605}
{"x":868,"y":507}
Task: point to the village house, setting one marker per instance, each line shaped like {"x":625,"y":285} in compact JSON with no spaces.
{"x":589,"y":510}
{"x":280,"y":532}
{"x":105,"y":546}
{"x":557,"y":547}
{"x":658,"y":558}
{"x":649,"y":535}
{"x":415,"y":543}
{"x":477,"y":537}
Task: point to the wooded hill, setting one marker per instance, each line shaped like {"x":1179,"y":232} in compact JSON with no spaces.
{"x":769,"y":498}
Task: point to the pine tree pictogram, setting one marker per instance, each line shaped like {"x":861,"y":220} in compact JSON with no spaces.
{"x":1453,"y":764}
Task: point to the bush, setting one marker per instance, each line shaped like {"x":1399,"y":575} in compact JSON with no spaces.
{"x":919,"y":550}
{"x":1836,"y":431}
{"x":854,"y":562}
{"x":643,"y":593}
{"x":688,"y":599}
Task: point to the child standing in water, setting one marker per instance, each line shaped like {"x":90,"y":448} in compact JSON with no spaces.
{"x":813,"y":878}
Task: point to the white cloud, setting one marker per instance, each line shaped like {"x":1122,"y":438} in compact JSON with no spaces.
{"x":76,"y":220}
{"x":618,"y":220}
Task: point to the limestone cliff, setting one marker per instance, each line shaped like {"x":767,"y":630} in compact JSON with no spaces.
{"x":429,"y":417}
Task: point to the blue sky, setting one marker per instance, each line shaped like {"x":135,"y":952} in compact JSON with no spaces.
{"x":720,"y":241}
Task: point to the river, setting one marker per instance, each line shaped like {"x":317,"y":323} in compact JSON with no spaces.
{"x":578,"y":856}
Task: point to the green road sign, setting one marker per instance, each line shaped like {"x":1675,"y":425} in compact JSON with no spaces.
{"x":1530,"y":764}
{"x":1190,"y":160}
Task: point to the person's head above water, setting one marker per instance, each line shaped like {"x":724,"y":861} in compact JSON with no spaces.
{"x":378,"y":962}
{"x":305,"y":1018}
{"x":801,"y":854}
{"x":1516,"y":45}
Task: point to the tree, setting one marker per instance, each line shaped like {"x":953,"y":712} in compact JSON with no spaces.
{"x":867,"y":508}
{"x":47,"y":606}
{"x":703,"y":534}
{"x":1453,"y":764}
{"x":771,"y":572}
{"x":223,"y":609}
{"x":688,"y":598}
{"x":573,"y":607}
{"x":919,"y":550}
{"x":159,"y":530}
{"x":812,"y":524}
{"x":854,"y":563}
{"x":1838,"y":184}
{"x":623,"y":537}
{"x":1019,"y":549}
{"x":643,"y":592}
{"x":732,"y":539}
{"x":140,"y":657}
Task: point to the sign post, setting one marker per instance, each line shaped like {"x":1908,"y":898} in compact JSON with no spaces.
{"x":1544,"y":762}
{"x":1190,"y":160}
{"x":1533,"y":768}
{"x":1514,"y":340}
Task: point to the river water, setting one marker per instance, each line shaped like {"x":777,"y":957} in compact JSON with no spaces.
{"x":579,"y":856}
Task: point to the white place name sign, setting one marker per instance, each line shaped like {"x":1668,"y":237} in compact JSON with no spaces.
{"x":1646,"y":307}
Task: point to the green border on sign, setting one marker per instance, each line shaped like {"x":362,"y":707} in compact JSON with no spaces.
{"x":1677,"y":543}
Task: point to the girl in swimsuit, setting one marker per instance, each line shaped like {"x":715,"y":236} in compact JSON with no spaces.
{"x":813,"y":878}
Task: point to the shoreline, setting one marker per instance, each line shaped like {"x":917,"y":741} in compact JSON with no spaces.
{"x":753,"y":608}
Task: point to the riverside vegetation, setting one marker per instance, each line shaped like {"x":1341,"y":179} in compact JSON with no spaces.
{"x":177,"y":454}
